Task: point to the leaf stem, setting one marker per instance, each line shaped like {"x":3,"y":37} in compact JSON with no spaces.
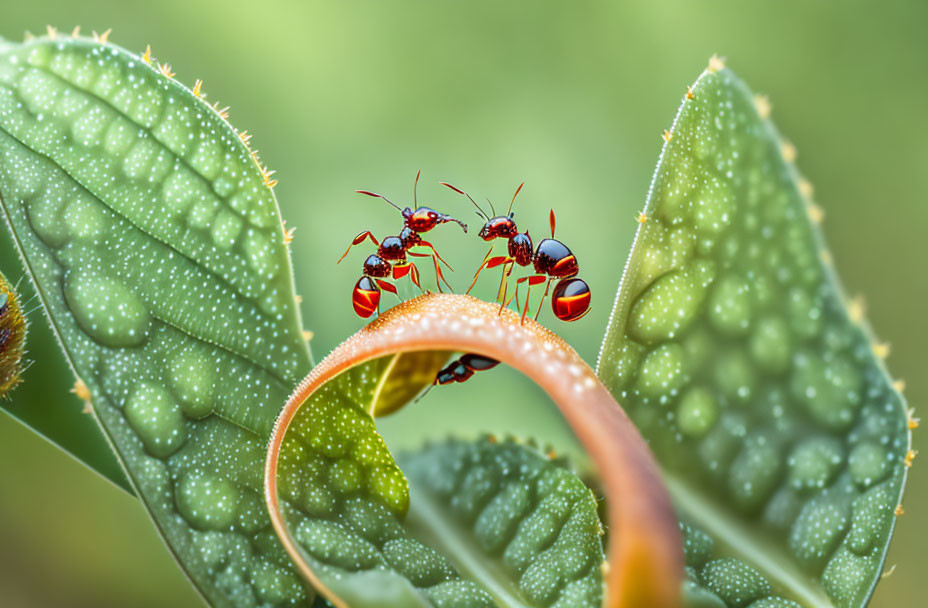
{"x":644,"y":554}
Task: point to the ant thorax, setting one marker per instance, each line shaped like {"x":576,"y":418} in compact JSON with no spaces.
{"x":410,"y":238}
{"x":521,"y":249}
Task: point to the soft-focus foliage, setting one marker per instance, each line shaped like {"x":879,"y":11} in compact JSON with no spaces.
{"x":737,"y":355}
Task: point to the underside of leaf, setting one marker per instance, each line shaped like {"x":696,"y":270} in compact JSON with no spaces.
{"x":337,"y":500}
{"x":753,"y":378}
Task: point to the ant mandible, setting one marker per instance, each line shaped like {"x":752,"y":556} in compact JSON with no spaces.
{"x":551,"y":260}
{"x":390,"y":258}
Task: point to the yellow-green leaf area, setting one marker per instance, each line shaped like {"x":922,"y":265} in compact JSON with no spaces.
{"x":758,"y":386}
{"x":156,"y":249}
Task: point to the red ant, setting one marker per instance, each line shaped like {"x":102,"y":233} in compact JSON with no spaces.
{"x":551,"y":260}
{"x":461,"y":369}
{"x":390,"y":258}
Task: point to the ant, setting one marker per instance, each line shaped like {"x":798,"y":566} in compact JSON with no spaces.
{"x":461,"y":369}
{"x":551,"y":260}
{"x":390,"y":259}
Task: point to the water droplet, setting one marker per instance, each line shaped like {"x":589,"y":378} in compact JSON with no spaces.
{"x":153,"y":414}
{"x":106,"y":309}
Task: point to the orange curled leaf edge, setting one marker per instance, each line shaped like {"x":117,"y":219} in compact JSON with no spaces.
{"x":644,"y":554}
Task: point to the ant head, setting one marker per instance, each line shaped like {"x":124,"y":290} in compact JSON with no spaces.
{"x":424,"y":219}
{"x":499,"y":227}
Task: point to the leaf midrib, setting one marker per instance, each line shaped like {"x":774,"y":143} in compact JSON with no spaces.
{"x":427,"y":522}
{"x":741,"y":541}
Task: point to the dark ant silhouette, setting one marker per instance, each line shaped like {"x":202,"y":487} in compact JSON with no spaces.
{"x":551,"y":260}
{"x":461,"y":370}
{"x":390,"y":259}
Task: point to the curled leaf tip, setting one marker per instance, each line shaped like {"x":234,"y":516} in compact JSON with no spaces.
{"x":644,"y":549}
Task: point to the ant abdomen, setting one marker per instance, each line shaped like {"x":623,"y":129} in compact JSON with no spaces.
{"x":571,"y":299}
{"x":365,"y":297}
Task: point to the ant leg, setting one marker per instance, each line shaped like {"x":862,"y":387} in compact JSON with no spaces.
{"x":357,"y":241}
{"x":388,"y":287}
{"x":435,"y":251}
{"x":547,"y":288}
{"x":533,"y":280}
{"x":439,"y":276}
{"x":493,"y":263}
{"x":504,"y":284}
{"x":401,"y":270}
{"x":479,"y":268}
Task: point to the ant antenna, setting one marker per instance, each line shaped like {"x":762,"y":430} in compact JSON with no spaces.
{"x":415,"y":186}
{"x":514,"y":198}
{"x":491,"y":205}
{"x":480,"y":211}
{"x":369,"y":193}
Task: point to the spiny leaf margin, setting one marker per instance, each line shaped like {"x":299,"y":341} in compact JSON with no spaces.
{"x":156,"y":248}
{"x":694,"y":294}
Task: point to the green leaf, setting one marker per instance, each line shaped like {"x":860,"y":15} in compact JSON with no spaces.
{"x":515,"y":519}
{"x":734,"y":350}
{"x":12,"y":337}
{"x":157,"y":251}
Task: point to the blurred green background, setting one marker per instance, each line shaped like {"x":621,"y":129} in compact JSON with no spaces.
{"x":570,"y":97}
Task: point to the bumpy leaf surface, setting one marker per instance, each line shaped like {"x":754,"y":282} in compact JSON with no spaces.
{"x":156,"y":248}
{"x":12,"y":337}
{"x":525,"y":524}
{"x":346,"y":502}
{"x":734,"y":350}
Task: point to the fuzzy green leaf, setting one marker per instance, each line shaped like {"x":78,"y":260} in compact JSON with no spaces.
{"x":733,"y":348}
{"x":157,"y":251}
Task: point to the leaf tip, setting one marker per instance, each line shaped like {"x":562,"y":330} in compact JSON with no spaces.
{"x":716,"y":63}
